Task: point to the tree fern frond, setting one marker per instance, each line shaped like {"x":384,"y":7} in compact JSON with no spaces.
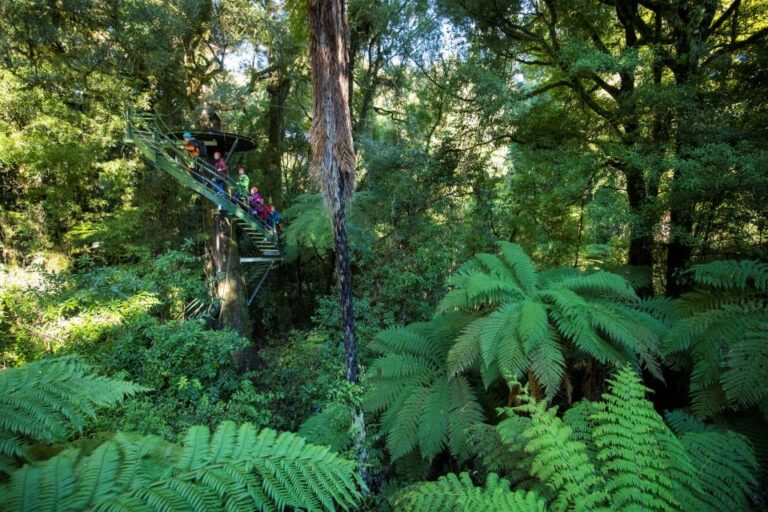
{"x":329,"y":427}
{"x":706,"y":401}
{"x":601,"y":284}
{"x":637,"y":277}
{"x":547,"y":363}
{"x":401,"y":366}
{"x":511,"y":358}
{"x":571,"y":314}
{"x":533,"y":324}
{"x":406,"y":340}
{"x":60,"y":479}
{"x":686,"y":332}
{"x":500,"y":323}
{"x":48,"y":400}
{"x":683,"y":423}
{"x":466,"y":349}
{"x":743,"y":378}
{"x":516,"y":259}
{"x":494,"y":455}
{"x":387,"y":394}
{"x":725,"y":467}
{"x":196,"y":446}
{"x":457,"y":493}
{"x":433,"y":422}
{"x":732,"y":275}
{"x":465,"y":413}
{"x":233,"y":469}
{"x":550,"y":276}
{"x":662,"y":308}
{"x":485,"y":289}
{"x":630,"y":331}
{"x":562,"y":463}
{"x":644,"y":463}
{"x":493,"y":265}
{"x":723,"y":333}
{"x":455,"y":299}
{"x":402,"y":438}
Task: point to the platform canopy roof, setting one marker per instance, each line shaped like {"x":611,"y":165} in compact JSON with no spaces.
{"x":223,"y":142}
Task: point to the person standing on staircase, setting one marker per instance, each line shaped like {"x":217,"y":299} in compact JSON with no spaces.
{"x":255,"y":201}
{"x":242,"y":186}
{"x":220,"y":164}
{"x":275,"y":220}
{"x":197,"y":152}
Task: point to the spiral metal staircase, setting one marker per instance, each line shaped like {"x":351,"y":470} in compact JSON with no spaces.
{"x":149,"y":133}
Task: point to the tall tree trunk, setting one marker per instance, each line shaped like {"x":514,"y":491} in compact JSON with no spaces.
{"x":682,"y":205}
{"x":230,"y":284}
{"x":333,"y":163}
{"x":641,"y":231}
{"x":277,"y":90}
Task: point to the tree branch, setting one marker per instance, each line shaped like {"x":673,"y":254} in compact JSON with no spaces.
{"x":547,"y":87}
{"x":728,"y":48}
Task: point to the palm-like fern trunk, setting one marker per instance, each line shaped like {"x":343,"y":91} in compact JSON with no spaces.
{"x":333,"y":164}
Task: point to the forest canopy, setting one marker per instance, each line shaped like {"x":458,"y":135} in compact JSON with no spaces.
{"x":384,"y":255}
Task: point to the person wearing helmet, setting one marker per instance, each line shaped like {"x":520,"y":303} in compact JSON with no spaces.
{"x":191,"y":145}
{"x":197,"y":152}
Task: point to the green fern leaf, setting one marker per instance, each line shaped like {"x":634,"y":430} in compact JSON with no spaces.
{"x":402,"y":438}
{"x":466,"y":350}
{"x":457,"y":493}
{"x":743,"y":378}
{"x":465,"y":413}
{"x":500,"y":323}
{"x":644,"y":463}
{"x":433,"y":422}
{"x":235,"y":469}
{"x":522,"y":266}
{"x":562,"y":463}
{"x":725,"y":467}
{"x":49,"y":400}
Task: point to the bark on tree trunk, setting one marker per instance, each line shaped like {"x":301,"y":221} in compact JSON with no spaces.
{"x":344,"y":278}
{"x":230,"y":284}
{"x":333,"y":164}
{"x":679,"y":250}
{"x":278,"y":92}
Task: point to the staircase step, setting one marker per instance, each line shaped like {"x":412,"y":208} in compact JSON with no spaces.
{"x":167,"y":155}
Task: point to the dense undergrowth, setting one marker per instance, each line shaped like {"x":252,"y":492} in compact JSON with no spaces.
{"x":558,"y":246}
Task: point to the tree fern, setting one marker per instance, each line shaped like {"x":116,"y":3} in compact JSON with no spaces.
{"x":233,"y":469}
{"x":503,"y":321}
{"x":722,"y":333}
{"x":329,"y":427}
{"x":423,"y":407}
{"x":497,"y":454}
{"x":619,"y":453}
{"x":457,"y":493}
{"x":309,"y":224}
{"x":527,"y":320}
{"x":615,"y":454}
{"x":48,"y":401}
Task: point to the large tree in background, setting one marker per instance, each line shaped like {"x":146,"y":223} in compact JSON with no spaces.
{"x":655,"y":78}
{"x":333,"y":163}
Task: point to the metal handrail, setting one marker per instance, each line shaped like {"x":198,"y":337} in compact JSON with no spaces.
{"x":201,"y":170}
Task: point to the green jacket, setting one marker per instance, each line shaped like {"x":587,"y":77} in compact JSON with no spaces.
{"x":243,"y":184}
